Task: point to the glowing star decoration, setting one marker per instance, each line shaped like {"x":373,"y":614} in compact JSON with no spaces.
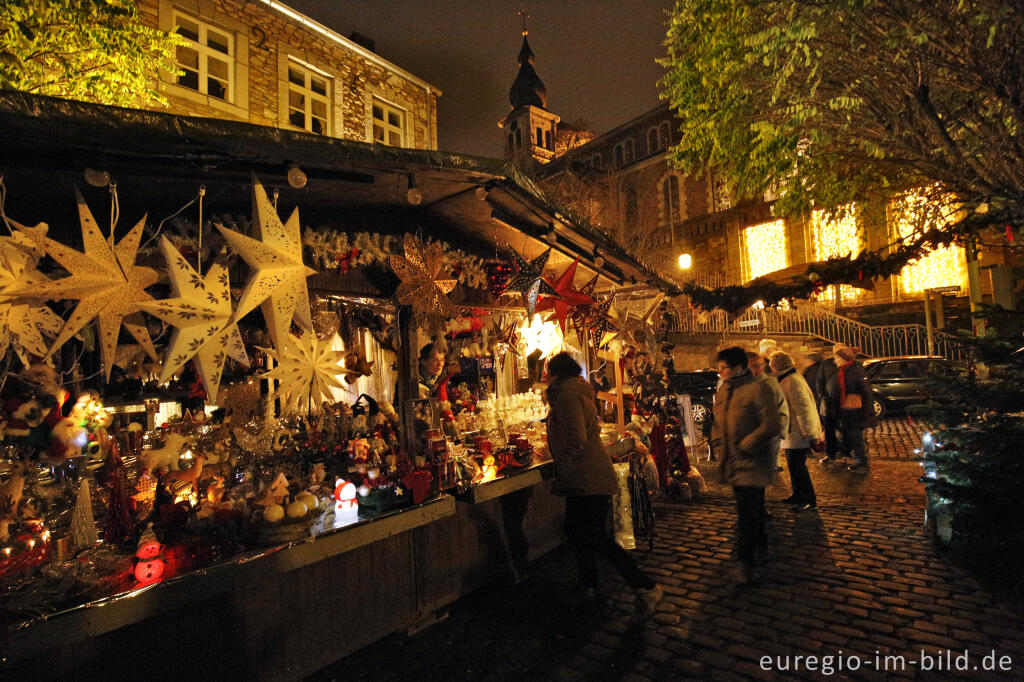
{"x":108,"y":284}
{"x":307,"y":370}
{"x":201,"y":314}
{"x":540,"y":335}
{"x":634,"y":331}
{"x":529,"y":280}
{"x":24,"y":321}
{"x":278,"y":284}
{"x":568,"y":297}
{"x":422,"y":286}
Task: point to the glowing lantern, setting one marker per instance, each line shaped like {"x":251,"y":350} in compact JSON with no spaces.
{"x":685,"y":261}
{"x":149,"y":562}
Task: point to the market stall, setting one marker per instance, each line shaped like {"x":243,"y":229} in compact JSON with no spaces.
{"x":268,"y":440}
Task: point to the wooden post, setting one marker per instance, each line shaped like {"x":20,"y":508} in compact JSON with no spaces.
{"x":621,"y":389}
{"x":408,"y":380}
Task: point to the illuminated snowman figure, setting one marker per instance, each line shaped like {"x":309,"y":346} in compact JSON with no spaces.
{"x":149,"y":562}
{"x":346,"y":504}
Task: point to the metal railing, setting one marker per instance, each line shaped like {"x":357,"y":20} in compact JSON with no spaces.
{"x":814,"y":320}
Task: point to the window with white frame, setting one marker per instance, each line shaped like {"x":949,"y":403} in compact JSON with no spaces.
{"x":309,"y":99}
{"x":207,"y":60}
{"x":389,"y":125}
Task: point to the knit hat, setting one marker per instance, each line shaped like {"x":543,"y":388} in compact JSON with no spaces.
{"x":845,"y":352}
{"x":780,"y":361}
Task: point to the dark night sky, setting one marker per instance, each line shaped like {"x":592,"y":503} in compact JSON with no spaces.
{"x":596,"y":57}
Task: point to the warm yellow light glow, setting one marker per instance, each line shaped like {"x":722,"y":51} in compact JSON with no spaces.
{"x":942,"y":267}
{"x":765,"y":247}
{"x":685,"y":261}
{"x":836,"y":238}
{"x":540,"y":335}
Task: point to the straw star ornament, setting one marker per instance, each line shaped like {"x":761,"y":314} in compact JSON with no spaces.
{"x":279,"y":284}
{"x":422,"y":286}
{"x":201,"y":313}
{"x":307,"y":370}
{"x":107,"y":283}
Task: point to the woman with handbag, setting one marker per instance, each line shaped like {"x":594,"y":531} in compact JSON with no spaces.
{"x":851,"y":390}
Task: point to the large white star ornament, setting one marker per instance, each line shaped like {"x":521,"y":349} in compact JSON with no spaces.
{"x":307,"y":370}
{"x":201,"y":313}
{"x":278,"y":284}
{"x":107,"y":283}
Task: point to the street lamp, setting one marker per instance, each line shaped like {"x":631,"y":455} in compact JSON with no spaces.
{"x":685,"y":261}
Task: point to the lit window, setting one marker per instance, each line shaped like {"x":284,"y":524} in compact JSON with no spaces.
{"x":942,"y":267}
{"x":836,"y":238}
{"x":673,"y":210}
{"x":765,"y":248}
{"x":207,"y":59}
{"x":309,"y":100}
{"x":389,"y":125}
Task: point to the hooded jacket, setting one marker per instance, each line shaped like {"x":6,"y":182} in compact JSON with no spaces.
{"x":746,"y":420}
{"x":582,"y":465}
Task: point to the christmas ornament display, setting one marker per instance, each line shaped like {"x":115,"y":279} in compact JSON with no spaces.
{"x":499,"y":274}
{"x":529,"y":279}
{"x":204,"y":322}
{"x":307,"y":370}
{"x":106,"y":281}
{"x":422,"y":286}
{"x":278,"y":284}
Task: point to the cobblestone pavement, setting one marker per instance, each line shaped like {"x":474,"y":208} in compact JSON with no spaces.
{"x":894,"y":438}
{"x":856,"y":581}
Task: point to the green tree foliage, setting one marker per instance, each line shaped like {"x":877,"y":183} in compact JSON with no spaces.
{"x":828,"y":102}
{"x":92,"y":50}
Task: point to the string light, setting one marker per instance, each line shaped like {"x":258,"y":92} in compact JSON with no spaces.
{"x":941,"y":267}
{"x":836,"y":238}
{"x":765,"y":247}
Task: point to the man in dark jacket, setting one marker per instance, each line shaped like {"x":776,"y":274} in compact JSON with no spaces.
{"x":817,"y":376}
{"x":746,"y":421}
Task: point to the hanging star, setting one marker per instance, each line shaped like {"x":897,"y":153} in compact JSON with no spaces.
{"x":578,"y":314}
{"x":24,"y":320}
{"x":600,"y":323}
{"x":422,"y":287}
{"x":307,"y":370}
{"x":635,"y":330}
{"x":508,"y":339}
{"x":529,"y":280}
{"x":204,"y":324}
{"x":568,"y":297}
{"x":279,"y":284}
{"x":106,"y":281}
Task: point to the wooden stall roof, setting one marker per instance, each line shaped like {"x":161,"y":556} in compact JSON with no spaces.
{"x":159,"y":160}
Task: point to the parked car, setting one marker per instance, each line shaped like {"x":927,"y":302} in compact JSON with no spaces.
{"x":898,"y":382}
{"x":700,"y":386}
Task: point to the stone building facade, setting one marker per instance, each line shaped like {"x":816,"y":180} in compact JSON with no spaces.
{"x":262,"y":62}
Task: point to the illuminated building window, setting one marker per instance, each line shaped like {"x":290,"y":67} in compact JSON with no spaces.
{"x":207,"y":60}
{"x":836,"y":237}
{"x":765,"y":248}
{"x":309,"y":99}
{"x":389,"y":125}
{"x":942,"y":267}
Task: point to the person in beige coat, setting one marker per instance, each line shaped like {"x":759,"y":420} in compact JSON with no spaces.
{"x":804,"y":433}
{"x":746,"y":421}
{"x":585,"y":477}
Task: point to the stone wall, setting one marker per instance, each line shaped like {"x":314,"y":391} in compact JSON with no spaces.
{"x":265,"y":40}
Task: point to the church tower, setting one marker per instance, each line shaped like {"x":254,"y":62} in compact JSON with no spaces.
{"x":529,"y":128}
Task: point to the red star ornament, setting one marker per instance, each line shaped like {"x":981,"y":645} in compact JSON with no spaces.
{"x":570,"y":297}
{"x":579,"y":314}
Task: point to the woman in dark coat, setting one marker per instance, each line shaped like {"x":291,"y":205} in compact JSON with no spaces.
{"x":584,"y":475}
{"x":850,"y":390}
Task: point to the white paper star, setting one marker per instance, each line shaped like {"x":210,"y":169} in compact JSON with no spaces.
{"x":279,"y":283}
{"x":107,"y":283}
{"x":24,"y":320}
{"x":201,"y":312}
{"x":307,"y":369}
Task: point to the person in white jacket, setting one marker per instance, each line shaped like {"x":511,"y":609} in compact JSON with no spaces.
{"x":804,"y":433}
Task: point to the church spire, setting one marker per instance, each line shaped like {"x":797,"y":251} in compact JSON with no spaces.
{"x":527,"y":89}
